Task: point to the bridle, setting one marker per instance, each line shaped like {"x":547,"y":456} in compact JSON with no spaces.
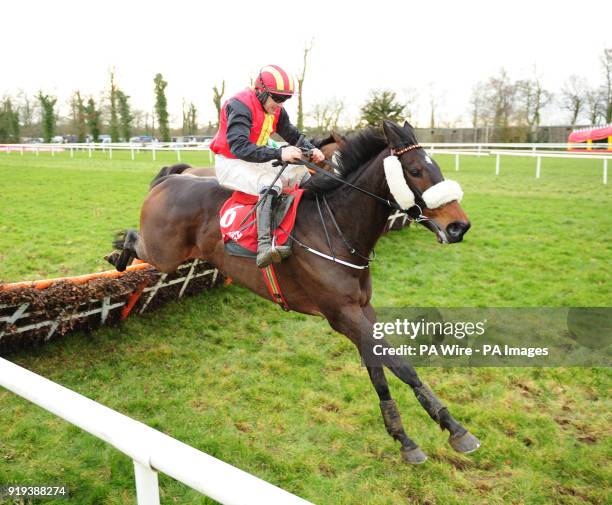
{"x":414,"y":212}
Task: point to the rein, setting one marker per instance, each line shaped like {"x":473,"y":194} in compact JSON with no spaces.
{"x":393,"y":205}
{"x":414,"y":213}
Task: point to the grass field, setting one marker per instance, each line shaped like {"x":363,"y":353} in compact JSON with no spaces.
{"x":283,"y":396}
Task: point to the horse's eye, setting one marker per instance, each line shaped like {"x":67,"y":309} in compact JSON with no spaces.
{"x":415,"y":172}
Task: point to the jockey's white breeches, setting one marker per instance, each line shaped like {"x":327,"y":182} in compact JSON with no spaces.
{"x":251,"y":178}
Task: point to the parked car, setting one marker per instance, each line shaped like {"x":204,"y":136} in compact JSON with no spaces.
{"x":142,"y":139}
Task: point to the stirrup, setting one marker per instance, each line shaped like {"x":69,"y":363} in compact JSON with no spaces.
{"x":273,"y":254}
{"x":267,"y":257}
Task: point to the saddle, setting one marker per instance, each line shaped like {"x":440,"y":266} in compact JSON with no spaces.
{"x":241,"y":239}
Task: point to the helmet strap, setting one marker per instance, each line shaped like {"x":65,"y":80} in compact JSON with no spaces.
{"x":262,"y":96}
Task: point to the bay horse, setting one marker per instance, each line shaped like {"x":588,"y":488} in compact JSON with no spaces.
{"x":180,"y":220}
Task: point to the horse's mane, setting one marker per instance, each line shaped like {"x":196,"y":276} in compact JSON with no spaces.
{"x":319,"y":142}
{"x":359,"y":148}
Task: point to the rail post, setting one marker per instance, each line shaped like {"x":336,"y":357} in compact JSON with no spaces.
{"x":497,"y":164}
{"x":147,"y":485}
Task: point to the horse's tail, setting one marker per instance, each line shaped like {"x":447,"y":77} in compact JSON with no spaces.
{"x":124,"y":244}
{"x":179,"y":168}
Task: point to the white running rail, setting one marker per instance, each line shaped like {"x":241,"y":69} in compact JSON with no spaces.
{"x":151,"y":450}
{"x":540,"y":155}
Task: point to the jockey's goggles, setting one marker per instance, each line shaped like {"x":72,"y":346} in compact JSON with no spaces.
{"x":279,"y":98}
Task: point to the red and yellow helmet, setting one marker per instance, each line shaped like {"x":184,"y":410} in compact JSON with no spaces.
{"x":276,"y":81}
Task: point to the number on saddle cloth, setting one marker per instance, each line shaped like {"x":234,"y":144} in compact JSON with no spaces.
{"x":242,"y":240}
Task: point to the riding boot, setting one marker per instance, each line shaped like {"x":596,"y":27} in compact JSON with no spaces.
{"x":267,"y":252}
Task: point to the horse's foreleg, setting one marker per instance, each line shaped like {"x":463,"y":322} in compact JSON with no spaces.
{"x":354,"y":324}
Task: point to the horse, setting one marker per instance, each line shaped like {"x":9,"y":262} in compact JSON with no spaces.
{"x":180,"y":220}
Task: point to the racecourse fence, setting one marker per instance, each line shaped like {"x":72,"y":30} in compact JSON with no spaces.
{"x":601,"y":151}
{"x":151,"y":451}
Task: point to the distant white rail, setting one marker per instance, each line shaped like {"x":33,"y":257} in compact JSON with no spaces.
{"x":134,"y":148}
{"x":540,"y":155}
{"x":601,"y":151}
{"x":151,"y":450}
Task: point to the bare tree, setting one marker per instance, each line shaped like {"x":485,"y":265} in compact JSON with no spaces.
{"x":300,"y":111}
{"x":190,"y":112}
{"x":531,"y":99}
{"x":606,"y":61}
{"x":327,"y":115}
{"x":595,"y":105}
{"x":113,"y":125}
{"x":477,"y":105}
{"x":436,"y":100}
{"x":27,"y":111}
{"x":499,"y":105}
{"x":408,"y":97}
{"x":137,"y":121}
{"x":217,"y":97}
{"x":78,"y":120}
{"x":432,"y":106}
{"x":501,"y":96}
{"x":573,"y":96}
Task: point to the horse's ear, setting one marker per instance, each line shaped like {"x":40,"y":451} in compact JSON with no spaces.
{"x":408,"y":126}
{"x":338,"y":139}
{"x":393,"y":133}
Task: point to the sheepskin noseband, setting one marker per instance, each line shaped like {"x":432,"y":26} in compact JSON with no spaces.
{"x":436,"y":196}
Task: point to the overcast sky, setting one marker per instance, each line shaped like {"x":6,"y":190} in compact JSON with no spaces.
{"x":442,"y":47}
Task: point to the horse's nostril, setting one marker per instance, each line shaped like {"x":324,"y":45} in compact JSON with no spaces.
{"x":456,"y":230}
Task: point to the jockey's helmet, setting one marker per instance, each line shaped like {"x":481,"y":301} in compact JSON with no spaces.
{"x":276,"y":82}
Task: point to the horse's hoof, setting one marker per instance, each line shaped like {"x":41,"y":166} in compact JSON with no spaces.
{"x":413,"y":456}
{"x":112,"y":257}
{"x":465,"y":443}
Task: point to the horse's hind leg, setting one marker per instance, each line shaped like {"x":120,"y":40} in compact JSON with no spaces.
{"x":126,"y":245}
{"x":411,"y":453}
{"x":356,"y":323}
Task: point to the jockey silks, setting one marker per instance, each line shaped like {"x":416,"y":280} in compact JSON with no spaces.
{"x":262,"y":124}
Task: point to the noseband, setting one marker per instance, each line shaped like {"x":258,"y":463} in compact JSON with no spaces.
{"x":412,"y":200}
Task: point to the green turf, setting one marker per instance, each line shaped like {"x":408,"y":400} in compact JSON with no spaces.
{"x":283,"y":396}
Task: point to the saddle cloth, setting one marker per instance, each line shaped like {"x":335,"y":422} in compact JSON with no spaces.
{"x":237,"y":206}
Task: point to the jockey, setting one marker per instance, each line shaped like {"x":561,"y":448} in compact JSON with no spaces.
{"x":243,"y":160}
